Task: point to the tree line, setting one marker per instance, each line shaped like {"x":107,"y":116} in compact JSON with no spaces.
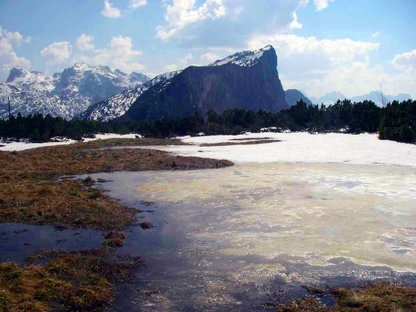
{"x":397,"y":121}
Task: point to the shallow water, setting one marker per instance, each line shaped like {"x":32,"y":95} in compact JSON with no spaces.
{"x":234,"y":238}
{"x":19,"y":241}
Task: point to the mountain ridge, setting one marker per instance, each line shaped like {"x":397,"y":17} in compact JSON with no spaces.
{"x":64,"y":94}
{"x":375,"y":96}
{"x":185,"y":92}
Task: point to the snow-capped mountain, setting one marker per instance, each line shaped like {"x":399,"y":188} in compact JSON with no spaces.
{"x":246,"y":79}
{"x":117,"y":105}
{"x":243,"y":59}
{"x":65,"y":94}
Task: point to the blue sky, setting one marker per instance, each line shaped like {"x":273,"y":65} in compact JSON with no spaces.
{"x":352,"y":46}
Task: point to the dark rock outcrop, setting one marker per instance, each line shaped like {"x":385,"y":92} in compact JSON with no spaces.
{"x":293,"y":96}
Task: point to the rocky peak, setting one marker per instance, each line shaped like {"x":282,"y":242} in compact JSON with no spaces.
{"x":17,"y":72}
{"x":250,"y":58}
{"x":138,"y":77}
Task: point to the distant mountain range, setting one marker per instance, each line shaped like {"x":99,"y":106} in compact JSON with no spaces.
{"x":247,"y":80}
{"x":375,"y":96}
{"x":64,"y":94}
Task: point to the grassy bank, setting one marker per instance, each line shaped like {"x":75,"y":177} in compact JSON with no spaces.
{"x":377,"y":297}
{"x":74,"y":281}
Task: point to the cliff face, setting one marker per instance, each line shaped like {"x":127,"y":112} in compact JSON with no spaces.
{"x":247,"y":80}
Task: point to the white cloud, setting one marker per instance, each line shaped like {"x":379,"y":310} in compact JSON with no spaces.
{"x":118,"y":54}
{"x":321,"y":66}
{"x":15,"y":38}
{"x":110,"y":11}
{"x":295,"y":24}
{"x":8,"y":56}
{"x":183,"y":12}
{"x":407,"y":59}
{"x":209,"y":57}
{"x":322,"y":4}
{"x":228,"y":23}
{"x":183,"y":62}
{"x":351,"y":79}
{"x":56,"y":53}
{"x":337,"y":51}
{"x":375,"y":35}
{"x":404,"y":78}
{"x":85,"y":42}
{"x":170,"y":68}
{"x":134,"y":4}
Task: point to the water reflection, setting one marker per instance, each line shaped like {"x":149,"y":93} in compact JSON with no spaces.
{"x":235,"y":238}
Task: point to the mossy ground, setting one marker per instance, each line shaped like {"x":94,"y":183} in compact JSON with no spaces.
{"x":376,"y":297}
{"x":75,"y":281}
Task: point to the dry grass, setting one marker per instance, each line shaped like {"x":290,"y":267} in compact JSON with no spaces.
{"x":65,"y":203}
{"x":376,"y":297}
{"x":75,"y":281}
{"x":128,"y":142}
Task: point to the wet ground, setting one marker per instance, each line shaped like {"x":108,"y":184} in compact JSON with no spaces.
{"x":232,"y":239}
{"x":235,"y":238}
{"x":19,"y":241}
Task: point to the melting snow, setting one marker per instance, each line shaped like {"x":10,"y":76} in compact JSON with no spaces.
{"x":20,"y":146}
{"x":303,"y":147}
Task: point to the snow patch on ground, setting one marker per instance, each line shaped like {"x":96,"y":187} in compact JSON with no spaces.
{"x":302,"y":147}
{"x":20,"y":146}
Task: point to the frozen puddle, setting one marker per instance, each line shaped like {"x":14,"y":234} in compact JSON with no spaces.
{"x":237,"y":237}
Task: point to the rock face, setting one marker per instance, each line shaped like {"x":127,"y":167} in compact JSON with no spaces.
{"x":293,"y":96}
{"x":247,"y":80}
{"x":65,"y":94}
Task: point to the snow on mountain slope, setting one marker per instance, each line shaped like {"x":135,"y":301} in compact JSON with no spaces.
{"x":244,"y":59}
{"x":29,"y":92}
{"x":116,"y":105}
{"x":65,"y":94}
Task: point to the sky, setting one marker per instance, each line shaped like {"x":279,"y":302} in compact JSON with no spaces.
{"x":351,"y":46}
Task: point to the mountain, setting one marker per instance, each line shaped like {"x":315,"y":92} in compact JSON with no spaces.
{"x":328,"y":98}
{"x":65,"y":94}
{"x":117,"y":105}
{"x":247,"y":80}
{"x":293,"y":95}
{"x":375,"y":96}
